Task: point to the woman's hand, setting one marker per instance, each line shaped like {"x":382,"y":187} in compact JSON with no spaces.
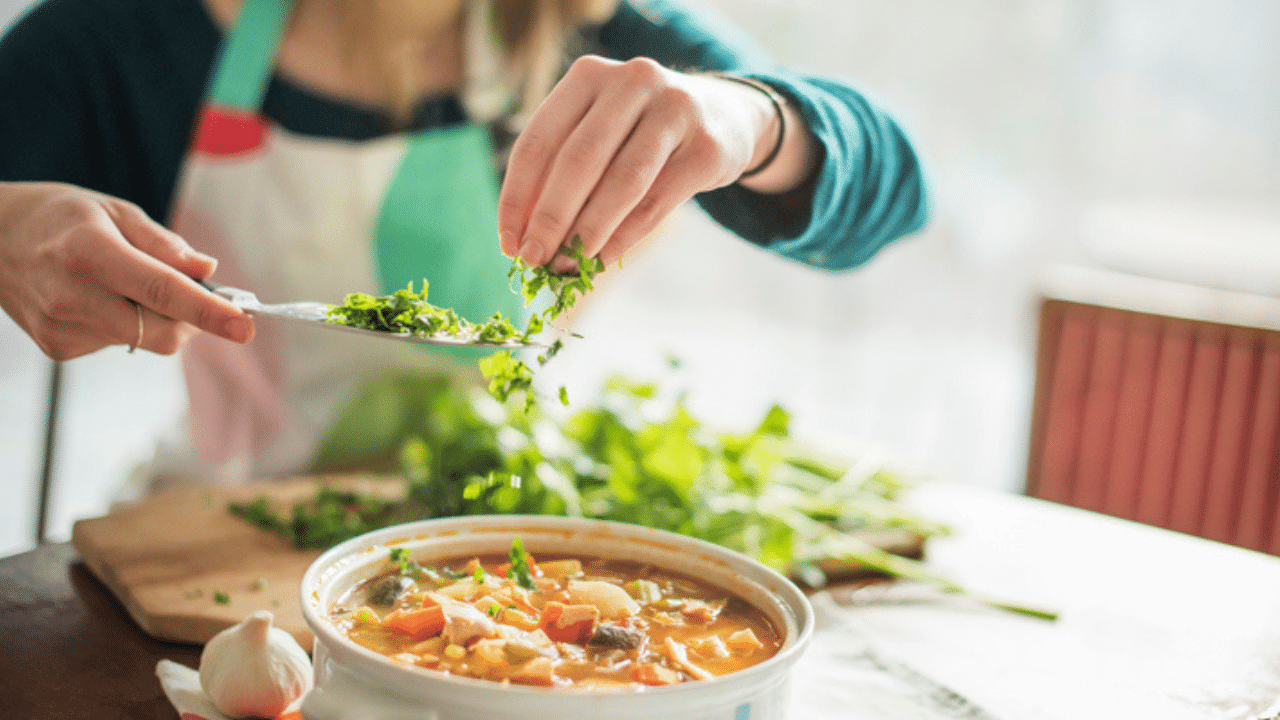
{"x":73,"y":262}
{"x":616,"y":147}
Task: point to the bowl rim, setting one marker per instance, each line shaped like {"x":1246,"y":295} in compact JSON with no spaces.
{"x":343,"y":554}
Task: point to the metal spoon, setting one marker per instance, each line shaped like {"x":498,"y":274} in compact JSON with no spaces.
{"x":317,"y":314}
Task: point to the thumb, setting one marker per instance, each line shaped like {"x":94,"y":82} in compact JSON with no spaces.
{"x":160,"y":242}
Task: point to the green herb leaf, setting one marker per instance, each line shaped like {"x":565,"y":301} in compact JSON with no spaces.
{"x":520,"y":569}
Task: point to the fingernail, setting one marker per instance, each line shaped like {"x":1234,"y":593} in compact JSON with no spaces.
{"x":509,"y":243}
{"x":238,"y":329}
{"x":532,"y":254}
{"x":210,"y":262}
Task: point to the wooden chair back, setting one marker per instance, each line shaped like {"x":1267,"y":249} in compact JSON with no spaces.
{"x":1161,"y":407}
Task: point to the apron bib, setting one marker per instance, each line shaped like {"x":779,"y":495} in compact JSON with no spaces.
{"x":296,"y":218}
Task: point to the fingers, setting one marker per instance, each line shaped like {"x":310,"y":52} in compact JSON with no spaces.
{"x":101,"y":318}
{"x":588,"y":157}
{"x":160,"y":242}
{"x":629,"y":178}
{"x":141,"y":271}
{"x":672,"y":187}
{"x":613,"y":150}
{"x":534,"y":150}
{"x":158,"y":333}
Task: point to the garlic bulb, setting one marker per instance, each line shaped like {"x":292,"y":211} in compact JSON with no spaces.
{"x":253,"y":669}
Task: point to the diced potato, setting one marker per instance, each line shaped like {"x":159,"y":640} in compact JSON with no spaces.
{"x":520,"y":620}
{"x":538,"y":671}
{"x":491,"y":651}
{"x":431,"y":646}
{"x":367,"y":616}
{"x":457,"y":652}
{"x":561,"y":568}
{"x":611,"y":600}
{"x":644,"y":591}
{"x":539,"y":638}
{"x":519,"y":650}
{"x":462,"y":590}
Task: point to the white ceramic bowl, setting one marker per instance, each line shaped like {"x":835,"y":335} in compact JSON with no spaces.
{"x":352,"y":682}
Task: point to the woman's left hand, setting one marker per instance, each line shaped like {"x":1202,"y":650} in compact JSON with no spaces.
{"x":617,"y":146}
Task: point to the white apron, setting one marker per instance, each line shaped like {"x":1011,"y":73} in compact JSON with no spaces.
{"x":303,"y":218}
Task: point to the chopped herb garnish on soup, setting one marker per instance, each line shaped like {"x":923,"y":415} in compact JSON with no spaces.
{"x":519,"y":569}
{"x":590,"y":623}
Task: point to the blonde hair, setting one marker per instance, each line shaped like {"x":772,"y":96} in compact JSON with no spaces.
{"x":513,"y":50}
{"x":534,"y":33}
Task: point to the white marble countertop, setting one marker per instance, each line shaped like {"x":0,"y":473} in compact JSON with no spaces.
{"x":1152,"y":624}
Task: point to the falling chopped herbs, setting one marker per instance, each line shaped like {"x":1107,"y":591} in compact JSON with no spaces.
{"x":529,"y":280}
{"x":221,"y":598}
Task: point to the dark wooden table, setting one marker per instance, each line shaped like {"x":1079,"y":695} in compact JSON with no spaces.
{"x":68,"y":649}
{"x":1153,"y":625}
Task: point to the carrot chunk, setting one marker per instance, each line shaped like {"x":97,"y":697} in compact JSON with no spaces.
{"x":418,"y":623}
{"x":568,"y":623}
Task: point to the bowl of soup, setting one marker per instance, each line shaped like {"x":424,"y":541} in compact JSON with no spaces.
{"x":505,"y":617}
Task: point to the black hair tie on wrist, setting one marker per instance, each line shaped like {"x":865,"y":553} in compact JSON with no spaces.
{"x":776,"y":101}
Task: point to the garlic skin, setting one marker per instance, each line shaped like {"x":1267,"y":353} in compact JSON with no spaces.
{"x":253,"y":669}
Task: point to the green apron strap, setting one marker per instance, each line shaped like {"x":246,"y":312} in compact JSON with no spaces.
{"x":439,"y":222}
{"x":248,"y":55}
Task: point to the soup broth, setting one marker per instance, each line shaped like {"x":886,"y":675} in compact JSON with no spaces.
{"x":582,"y":622}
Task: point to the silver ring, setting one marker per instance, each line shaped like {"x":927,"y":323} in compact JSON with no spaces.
{"x":137,"y":342}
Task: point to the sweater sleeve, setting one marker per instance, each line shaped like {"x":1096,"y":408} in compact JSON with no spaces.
{"x":102,"y":94}
{"x":869,"y":188}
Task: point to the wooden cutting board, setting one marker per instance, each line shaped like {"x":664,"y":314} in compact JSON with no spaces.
{"x":167,"y":558}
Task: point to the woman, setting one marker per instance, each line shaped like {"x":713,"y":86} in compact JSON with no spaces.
{"x":346,"y":145}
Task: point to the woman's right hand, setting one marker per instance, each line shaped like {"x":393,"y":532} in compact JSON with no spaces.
{"x":73,"y":262}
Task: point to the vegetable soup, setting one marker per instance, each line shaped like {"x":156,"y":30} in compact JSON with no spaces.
{"x":580,"y":622}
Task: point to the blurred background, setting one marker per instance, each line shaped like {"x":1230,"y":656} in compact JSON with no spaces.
{"x":1134,"y":135}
